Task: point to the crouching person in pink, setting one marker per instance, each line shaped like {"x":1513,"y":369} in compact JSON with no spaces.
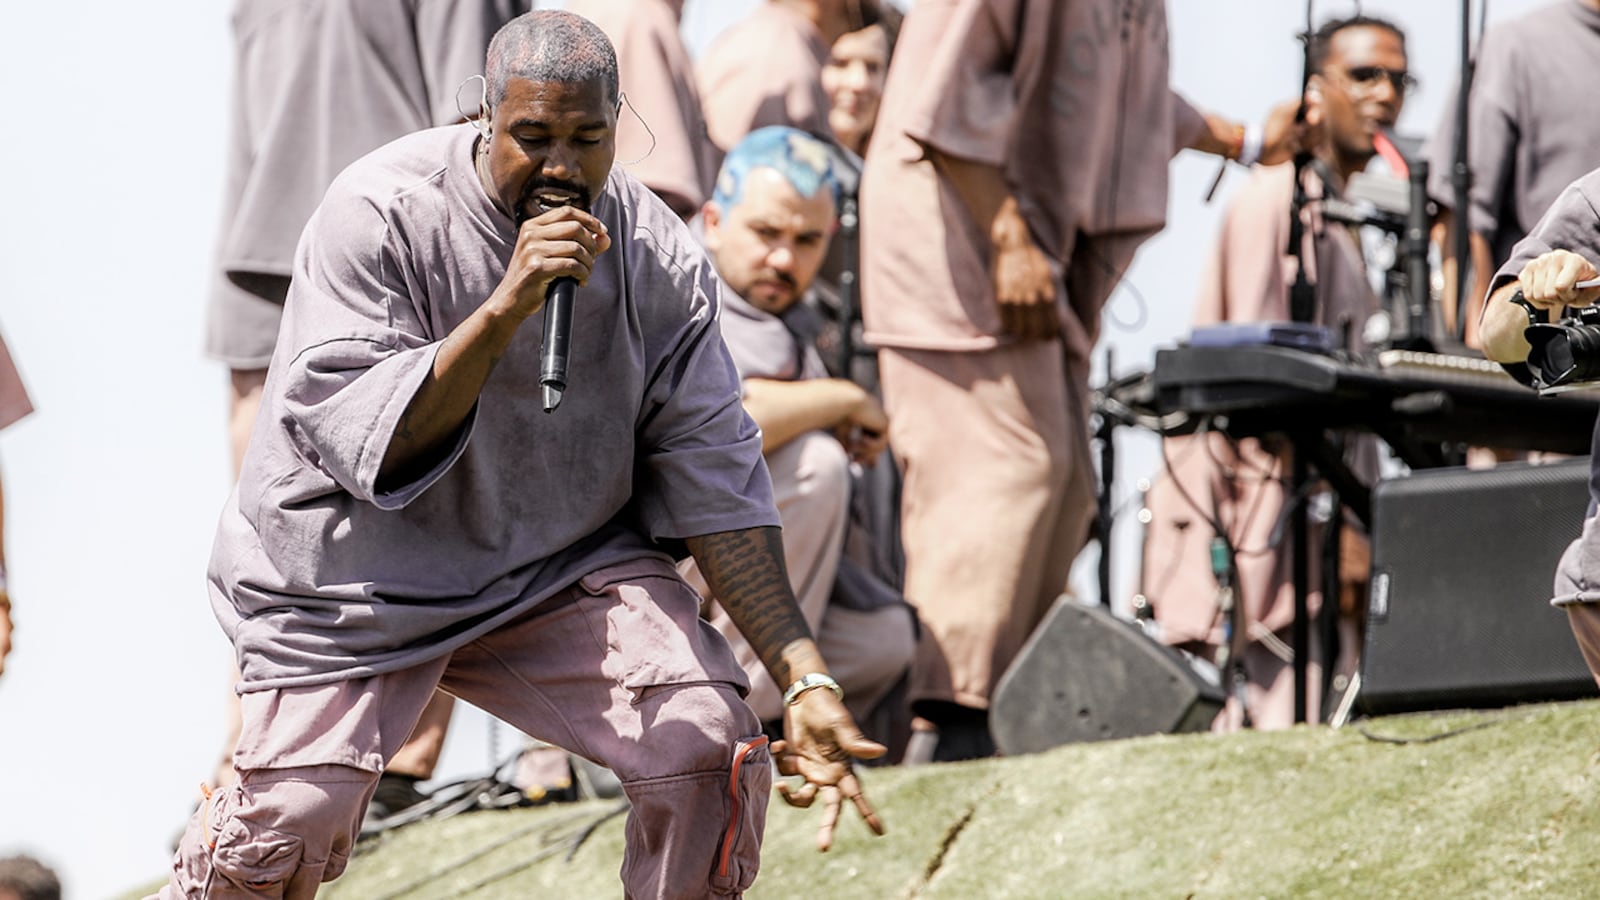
{"x":408,"y":516}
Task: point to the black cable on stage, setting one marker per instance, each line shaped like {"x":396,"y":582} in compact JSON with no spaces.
{"x":1461,"y":176}
{"x":1301,"y":295}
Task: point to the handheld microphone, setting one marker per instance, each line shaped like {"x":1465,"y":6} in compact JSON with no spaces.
{"x":558,"y":299}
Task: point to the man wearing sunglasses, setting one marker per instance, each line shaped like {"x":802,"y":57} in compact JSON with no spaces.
{"x":1356,"y":90}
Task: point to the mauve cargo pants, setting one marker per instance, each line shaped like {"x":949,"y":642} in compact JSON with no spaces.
{"x":619,"y":668}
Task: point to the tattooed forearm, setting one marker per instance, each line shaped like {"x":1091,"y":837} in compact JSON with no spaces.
{"x":746,"y":574}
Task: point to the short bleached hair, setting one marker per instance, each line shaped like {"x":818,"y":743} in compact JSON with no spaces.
{"x":550,"y":45}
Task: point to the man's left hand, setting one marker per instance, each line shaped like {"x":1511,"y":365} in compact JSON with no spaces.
{"x":822,"y":740}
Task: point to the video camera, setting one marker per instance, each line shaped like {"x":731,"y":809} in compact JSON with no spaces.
{"x":1565,"y":352}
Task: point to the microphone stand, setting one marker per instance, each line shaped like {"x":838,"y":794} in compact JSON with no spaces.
{"x":1104,"y":519}
{"x":1302,"y":302}
{"x":847,"y":170}
{"x":1302,"y":295}
{"x":1418,"y":295}
{"x":1412,"y":281}
{"x":1461,"y":178}
{"x":1230,"y":655}
{"x":849,"y":228}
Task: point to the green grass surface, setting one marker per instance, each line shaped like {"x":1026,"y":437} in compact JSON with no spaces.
{"x":1492,"y":804}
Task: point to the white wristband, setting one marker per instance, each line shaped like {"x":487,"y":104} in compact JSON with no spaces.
{"x":1250,"y":146}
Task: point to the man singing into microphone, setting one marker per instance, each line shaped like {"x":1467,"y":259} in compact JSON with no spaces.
{"x":408,"y":517}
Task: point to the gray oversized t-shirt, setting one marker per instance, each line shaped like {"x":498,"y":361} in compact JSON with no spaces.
{"x":766,"y":346}
{"x":318,"y":577}
{"x":1534,"y":120}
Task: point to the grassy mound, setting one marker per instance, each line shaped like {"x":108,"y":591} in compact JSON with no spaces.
{"x":1474,"y":804}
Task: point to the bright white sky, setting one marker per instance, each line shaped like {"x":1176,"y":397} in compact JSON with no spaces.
{"x":111,"y":705}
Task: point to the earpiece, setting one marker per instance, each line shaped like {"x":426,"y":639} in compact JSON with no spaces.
{"x":484,"y":128}
{"x":622,"y":100}
{"x":481,"y":121}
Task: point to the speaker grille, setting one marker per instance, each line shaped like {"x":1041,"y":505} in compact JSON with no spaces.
{"x":1085,"y":675}
{"x":1463,"y":562}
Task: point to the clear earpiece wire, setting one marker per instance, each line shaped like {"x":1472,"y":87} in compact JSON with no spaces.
{"x":623,"y":100}
{"x":481,"y":121}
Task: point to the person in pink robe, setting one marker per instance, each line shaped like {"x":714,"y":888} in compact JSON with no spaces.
{"x":14,"y":404}
{"x":1243,"y":485}
{"x":661,"y":131}
{"x":1019,"y":159}
{"x":767,"y":68}
{"x":410,"y":517}
{"x":857,"y":67}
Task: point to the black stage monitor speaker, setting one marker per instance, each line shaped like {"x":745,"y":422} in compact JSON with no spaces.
{"x":1463,"y":563}
{"x":1086,"y":675}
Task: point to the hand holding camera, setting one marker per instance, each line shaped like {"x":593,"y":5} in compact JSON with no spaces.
{"x":1565,"y":352}
{"x":1559,"y":278}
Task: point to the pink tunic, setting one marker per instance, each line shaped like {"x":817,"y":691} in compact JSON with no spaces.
{"x":661,"y":132}
{"x":318,"y":577}
{"x":1078,"y":117}
{"x":765,"y":70}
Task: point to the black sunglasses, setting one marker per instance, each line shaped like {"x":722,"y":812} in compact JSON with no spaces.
{"x":1368,"y":77}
